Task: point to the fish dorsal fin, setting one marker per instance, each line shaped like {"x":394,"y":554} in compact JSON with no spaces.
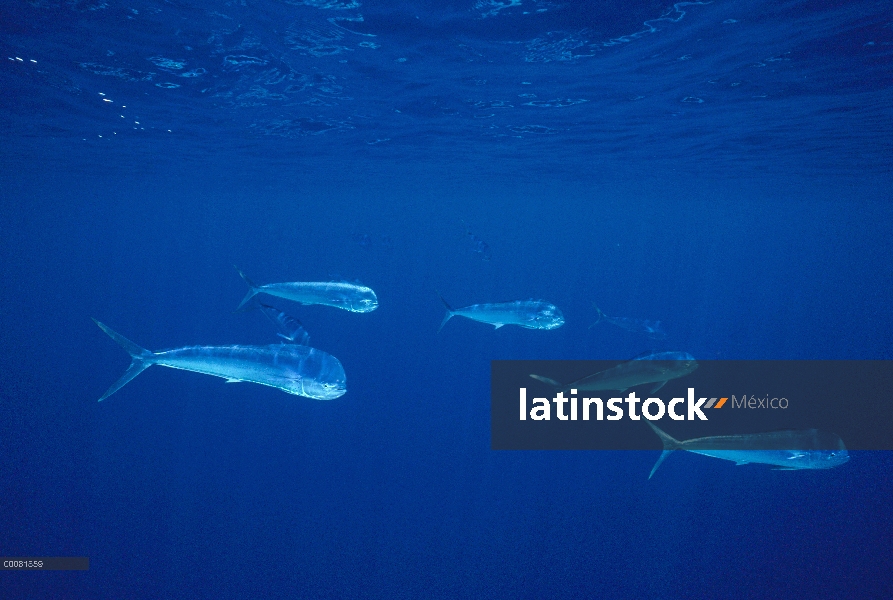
{"x":546,"y":380}
{"x":338,"y":278}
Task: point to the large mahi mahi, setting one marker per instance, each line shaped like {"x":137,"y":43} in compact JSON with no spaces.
{"x":294,"y":369}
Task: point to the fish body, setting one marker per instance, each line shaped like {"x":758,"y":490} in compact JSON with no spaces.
{"x":289,"y":327}
{"x":364,"y":240}
{"x":788,"y":450}
{"x":530,"y":314}
{"x":652,"y":329}
{"x":351,"y":297}
{"x":477,"y":246}
{"x":657,"y":368}
{"x":294,"y":369}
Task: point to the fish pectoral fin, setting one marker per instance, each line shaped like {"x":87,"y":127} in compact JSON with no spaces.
{"x":498,"y":325}
{"x":785,"y":469}
{"x":234,"y":380}
{"x":738,"y":463}
{"x":659,"y":385}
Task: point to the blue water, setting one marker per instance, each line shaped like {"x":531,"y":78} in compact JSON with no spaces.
{"x":724,"y":168}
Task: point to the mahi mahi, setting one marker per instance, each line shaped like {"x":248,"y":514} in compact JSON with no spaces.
{"x":652,"y":329}
{"x":339,"y":294}
{"x":657,"y":367}
{"x":530,"y":314}
{"x":290,"y":328}
{"x":294,"y":369}
{"x":786,"y":450}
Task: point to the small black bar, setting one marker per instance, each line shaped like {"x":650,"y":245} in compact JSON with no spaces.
{"x":45,"y":563}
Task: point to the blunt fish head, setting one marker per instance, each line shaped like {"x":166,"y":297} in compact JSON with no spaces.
{"x":817,"y":459}
{"x":833,"y":458}
{"x":828,"y":459}
{"x":316,"y":389}
{"x":316,"y":374}
{"x":368,"y":302}
{"x":548,"y":317}
{"x":687,"y":365}
{"x":326,"y":390}
{"x":681,"y":363}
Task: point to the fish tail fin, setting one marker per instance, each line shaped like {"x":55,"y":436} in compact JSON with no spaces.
{"x":547,"y":381}
{"x":252,"y":289}
{"x":141,"y":359}
{"x":600,"y":315}
{"x":449,"y":314}
{"x":670,"y":444}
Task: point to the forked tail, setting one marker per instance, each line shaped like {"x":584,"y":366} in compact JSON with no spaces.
{"x":600,"y":315}
{"x":670,"y":444}
{"x":142,"y":359}
{"x":252,"y":289}
{"x":449,"y":314}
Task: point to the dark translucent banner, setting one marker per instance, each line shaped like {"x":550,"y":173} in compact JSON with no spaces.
{"x":719,"y":408}
{"x":45,"y":563}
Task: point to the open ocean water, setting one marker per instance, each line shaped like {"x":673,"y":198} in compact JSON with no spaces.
{"x":723,"y":167}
